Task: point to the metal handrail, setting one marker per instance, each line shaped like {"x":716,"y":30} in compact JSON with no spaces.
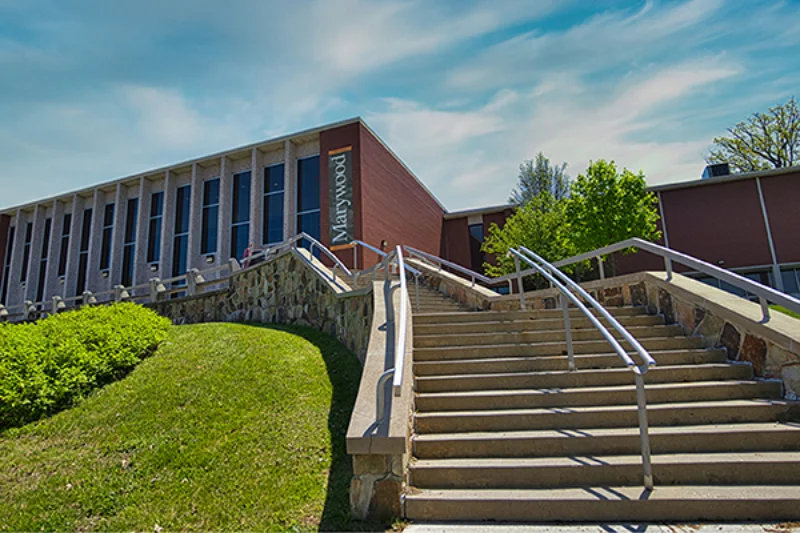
{"x":764,"y":293}
{"x":545,"y":270}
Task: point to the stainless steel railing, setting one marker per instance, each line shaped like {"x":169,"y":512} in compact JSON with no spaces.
{"x":561,"y":281}
{"x":765,"y":294}
{"x":374,"y":269}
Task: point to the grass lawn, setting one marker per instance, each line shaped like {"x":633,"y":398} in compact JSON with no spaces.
{"x":227,"y":427}
{"x":784,"y":310}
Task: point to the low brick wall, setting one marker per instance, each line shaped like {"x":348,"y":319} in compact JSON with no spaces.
{"x":285,"y":290}
{"x":724,"y":320}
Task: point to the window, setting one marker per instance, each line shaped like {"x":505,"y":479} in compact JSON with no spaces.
{"x":791,"y":280}
{"x":477,"y":257}
{"x":308,"y":202}
{"x":7,"y":268}
{"x":240,"y":225}
{"x":208,"y":239}
{"x":108,"y":233}
{"x":26,"y":251}
{"x":154,"y":231}
{"x":272,"y":216}
{"x":181,"y":236}
{"x":129,"y":244}
{"x":83,"y":253}
{"x":48,"y":227}
{"x":64,"y":249}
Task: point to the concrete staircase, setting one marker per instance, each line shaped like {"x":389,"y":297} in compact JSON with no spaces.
{"x":504,"y":432}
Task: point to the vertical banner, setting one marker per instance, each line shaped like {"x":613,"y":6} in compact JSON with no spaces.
{"x":340,"y":183}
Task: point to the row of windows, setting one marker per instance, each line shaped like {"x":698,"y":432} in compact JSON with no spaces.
{"x":790,"y":276}
{"x":308,"y":220}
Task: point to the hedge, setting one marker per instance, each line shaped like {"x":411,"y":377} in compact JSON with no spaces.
{"x":48,"y":365}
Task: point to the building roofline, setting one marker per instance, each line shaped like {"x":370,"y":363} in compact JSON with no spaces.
{"x":725,"y":179}
{"x":303,"y":133}
{"x":478,"y":211}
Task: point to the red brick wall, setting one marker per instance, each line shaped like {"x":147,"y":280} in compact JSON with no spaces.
{"x":5,"y":221}
{"x":331,"y":140}
{"x":782,"y":198}
{"x":455,"y":242}
{"x":394,"y":206}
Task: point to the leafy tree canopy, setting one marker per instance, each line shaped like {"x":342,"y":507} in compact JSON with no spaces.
{"x":764,"y":141}
{"x":537,"y":176}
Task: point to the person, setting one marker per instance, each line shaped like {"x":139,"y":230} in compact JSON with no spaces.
{"x":247,"y":253}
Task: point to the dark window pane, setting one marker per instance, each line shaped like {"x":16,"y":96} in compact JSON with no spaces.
{"x":208,"y":242}
{"x":48,"y":226}
{"x":154,"y":241}
{"x":108,"y":215}
{"x":477,"y":257}
{"x":309,"y":223}
{"x":789,"y":281}
{"x":82,"y":264}
{"x":179,"y":250}
{"x":211,"y":192}
{"x":7,"y":268}
{"x":86,"y":229}
{"x":182,"y":202}
{"x":157,"y":204}
{"x":273,"y":178}
{"x":42,"y":279}
{"x":239,"y":240}
{"x":62,"y":255}
{"x":65,"y":228}
{"x":272,"y":228}
{"x":128,"y":256}
{"x":241,"y":197}
{"x":105,"y":249}
{"x":130,"y":220}
{"x":26,"y":252}
{"x":308,"y":184}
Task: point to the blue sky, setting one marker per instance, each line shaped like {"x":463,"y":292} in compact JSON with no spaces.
{"x":463,"y":91}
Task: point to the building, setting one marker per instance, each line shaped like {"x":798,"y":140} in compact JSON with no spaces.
{"x":337,"y":183}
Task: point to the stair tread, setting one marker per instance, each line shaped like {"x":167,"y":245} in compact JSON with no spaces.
{"x":613,"y":493}
{"x":606,"y":408}
{"x":586,"y":390}
{"x":631,"y":329}
{"x":568,"y":372}
{"x":514,"y":358}
{"x":582,"y":461}
{"x":768,"y":427}
{"x":644,"y":340}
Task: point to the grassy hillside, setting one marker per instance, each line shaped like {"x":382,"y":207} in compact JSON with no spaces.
{"x":226,"y":427}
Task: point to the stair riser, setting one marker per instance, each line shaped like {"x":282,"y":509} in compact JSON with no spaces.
{"x":601,"y":510}
{"x":559,"y":363}
{"x":558,"y":348}
{"x":684,"y":416}
{"x":489,"y":339}
{"x":563,"y":380}
{"x":728,"y":442}
{"x":592,"y":474}
{"x":524,"y":315}
{"x":576,"y":398}
{"x":530,"y":325}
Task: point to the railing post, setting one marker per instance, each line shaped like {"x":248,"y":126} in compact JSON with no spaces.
{"x":644,"y":436}
{"x":668,"y":267}
{"x":28,"y":309}
{"x":58,"y":304}
{"x":764,"y":308}
{"x":519,"y":284}
{"x":87,"y":298}
{"x":601,"y":267}
{"x":355,"y":257}
{"x":191,"y":281}
{"x":234,"y":264}
{"x":120,"y":293}
{"x":510,"y":287}
{"x":3,"y":312}
{"x":154,"y":283}
{"x":416,"y":282}
{"x":567,"y":331}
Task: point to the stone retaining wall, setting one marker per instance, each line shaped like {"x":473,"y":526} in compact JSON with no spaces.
{"x":286,"y":290}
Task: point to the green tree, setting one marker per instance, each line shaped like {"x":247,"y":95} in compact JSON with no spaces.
{"x":539,"y":224}
{"x":537,"y":176}
{"x":606,"y":206}
{"x":763,"y":141}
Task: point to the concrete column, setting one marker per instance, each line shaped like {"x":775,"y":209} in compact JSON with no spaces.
{"x":167,"y":227}
{"x":14,"y":289}
{"x":290,"y":189}
{"x":256,"y":196}
{"x":71,"y":274}
{"x":225,"y":199}
{"x":34,"y":255}
{"x":141,"y":270}
{"x":118,"y":235}
{"x":53,"y":286}
{"x":195,"y":220}
{"x":94,"y":282}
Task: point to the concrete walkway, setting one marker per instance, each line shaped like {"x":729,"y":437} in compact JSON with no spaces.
{"x":605,"y":528}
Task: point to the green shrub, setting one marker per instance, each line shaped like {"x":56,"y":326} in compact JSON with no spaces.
{"x":47,"y":365}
